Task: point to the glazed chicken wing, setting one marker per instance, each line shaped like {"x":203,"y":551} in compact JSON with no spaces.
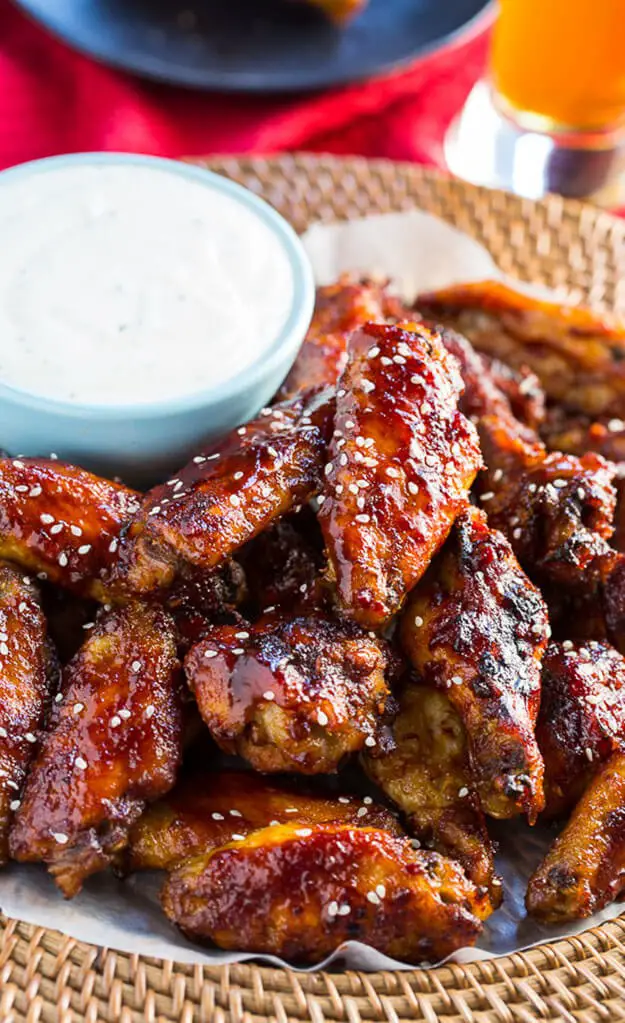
{"x":585,"y":868}
{"x":578,"y":358}
{"x":62,"y":522}
{"x":523,"y":390}
{"x":582,"y":716}
{"x":227,"y":495}
{"x":576,"y":434}
{"x":301,"y":892}
{"x":26,"y":670}
{"x":207,"y":810}
{"x":477,"y":628}
{"x":113,"y":742}
{"x":556,"y":509}
{"x":402,"y":460}
{"x":427,"y":776}
{"x":294,"y":694}
{"x":339,"y":310}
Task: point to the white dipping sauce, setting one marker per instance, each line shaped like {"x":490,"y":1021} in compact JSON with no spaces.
{"x":130,"y":284}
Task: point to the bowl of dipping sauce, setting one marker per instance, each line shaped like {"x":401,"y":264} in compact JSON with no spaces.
{"x":146,"y":308}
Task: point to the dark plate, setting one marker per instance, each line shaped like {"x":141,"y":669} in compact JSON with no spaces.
{"x":252,"y":45}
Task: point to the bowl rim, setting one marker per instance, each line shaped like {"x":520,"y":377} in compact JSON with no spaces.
{"x":263,"y":365}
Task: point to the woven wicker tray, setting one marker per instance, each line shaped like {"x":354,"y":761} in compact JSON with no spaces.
{"x":45,"y":976}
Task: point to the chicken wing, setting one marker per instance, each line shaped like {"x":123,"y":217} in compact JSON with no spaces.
{"x":62,"y":522}
{"x":227,"y":495}
{"x":113,"y":742}
{"x":582,"y":716}
{"x":301,"y":892}
{"x":283,"y":566}
{"x":339,"y":310}
{"x":207,"y":810}
{"x":427,"y":776}
{"x":477,"y":629}
{"x":578,"y":357}
{"x":294,"y":694}
{"x":556,"y":509}
{"x":402,"y":460}
{"x":27,"y":668}
{"x":576,"y":434}
{"x":585,"y":868}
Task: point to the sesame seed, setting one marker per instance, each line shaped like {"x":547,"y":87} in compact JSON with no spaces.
{"x":320,"y":499}
{"x":370,"y":741}
{"x":385,"y":360}
{"x":517,"y":533}
{"x":374,"y":898}
{"x":463,"y":792}
{"x":56,"y":528}
{"x":272,"y":607}
{"x":322,"y":717}
{"x":581,"y":493}
{"x":415,"y":843}
{"x":418,"y":621}
{"x":368,"y":386}
{"x":135,"y":665}
{"x":362,"y":518}
{"x":333,"y":908}
{"x":371,"y":354}
{"x":238,"y":838}
{"x":327,"y":469}
{"x":15,"y":804}
{"x":3,"y":733}
{"x":567,"y":645}
{"x":381,"y":890}
{"x":456,"y":680}
{"x":46,"y":519}
{"x":614,"y":425}
{"x":399,"y":359}
{"x":588,"y":753}
{"x":304,"y":832}
{"x":412,"y":487}
{"x":115,"y":721}
{"x":30,"y":737}
{"x":81,"y":763}
{"x":235,"y":813}
{"x":22,"y":489}
{"x":272,"y":452}
{"x":4,"y":650}
{"x":238,"y":650}
{"x":559,"y":484}
{"x":86,"y":547}
{"x":18,"y":464}
{"x":363,"y":484}
{"x":60,"y":837}
{"x":211,"y":653}
{"x":269,"y":695}
{"x":488,"y":496}
{"x":23,"y":607}
{"x":234,"y":500}
{"x":77,"y":708}
{"x":497,"y":475}
{"x":155,"y":510}
{"x":353,"y":489}
{"x":362,"y":811}
{"x":35,"y":491}
{"x":58,"y":698}
{"x":393,"y":473}
{"x":338,"y":490}
{"x":218,"y":816}
{"x":124,"y":713}
{"x":149,"y":710}
{"x":343,"y":459}
{"x":349,"y":424}
{"x":345,"y":909}
{"x":367,"y":800}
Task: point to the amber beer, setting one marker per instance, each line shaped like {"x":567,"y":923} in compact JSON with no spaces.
{"x":560,"y":64}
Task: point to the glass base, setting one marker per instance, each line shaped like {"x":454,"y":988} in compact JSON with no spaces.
{"x":487,"y":148}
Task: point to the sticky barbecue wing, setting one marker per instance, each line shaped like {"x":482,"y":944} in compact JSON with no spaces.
{"x":62,"y":523}
{"x":402,"y":460}
{"x":585,"y":868}
{"x":294,"y":694}
{"x":301,"y":892}
{"x":578,"y":358}
{"x":113,"y":742}
{"x":427,"y":776}
{"x":207,"y":810}
{"x":228,"y":495}
{"x":582,"y":716}
{"x":26,"y":670}
{"x":477,"y":629}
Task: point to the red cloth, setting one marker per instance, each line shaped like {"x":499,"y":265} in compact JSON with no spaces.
{"x":53,"y":100}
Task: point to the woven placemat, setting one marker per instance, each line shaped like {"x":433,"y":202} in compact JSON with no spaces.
{"x":47,"y":977}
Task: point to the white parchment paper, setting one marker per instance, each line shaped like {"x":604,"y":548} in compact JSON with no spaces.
{"x":419,"y":252}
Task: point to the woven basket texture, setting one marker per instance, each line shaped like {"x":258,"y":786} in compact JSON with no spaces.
{"x":46,"y":977}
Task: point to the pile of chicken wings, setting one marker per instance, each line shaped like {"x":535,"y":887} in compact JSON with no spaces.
{"x":301,"y":675}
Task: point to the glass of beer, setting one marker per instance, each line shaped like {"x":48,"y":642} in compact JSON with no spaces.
{"x":550,"y":116}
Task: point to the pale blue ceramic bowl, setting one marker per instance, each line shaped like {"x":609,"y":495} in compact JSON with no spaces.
{"x":143,"y":443}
